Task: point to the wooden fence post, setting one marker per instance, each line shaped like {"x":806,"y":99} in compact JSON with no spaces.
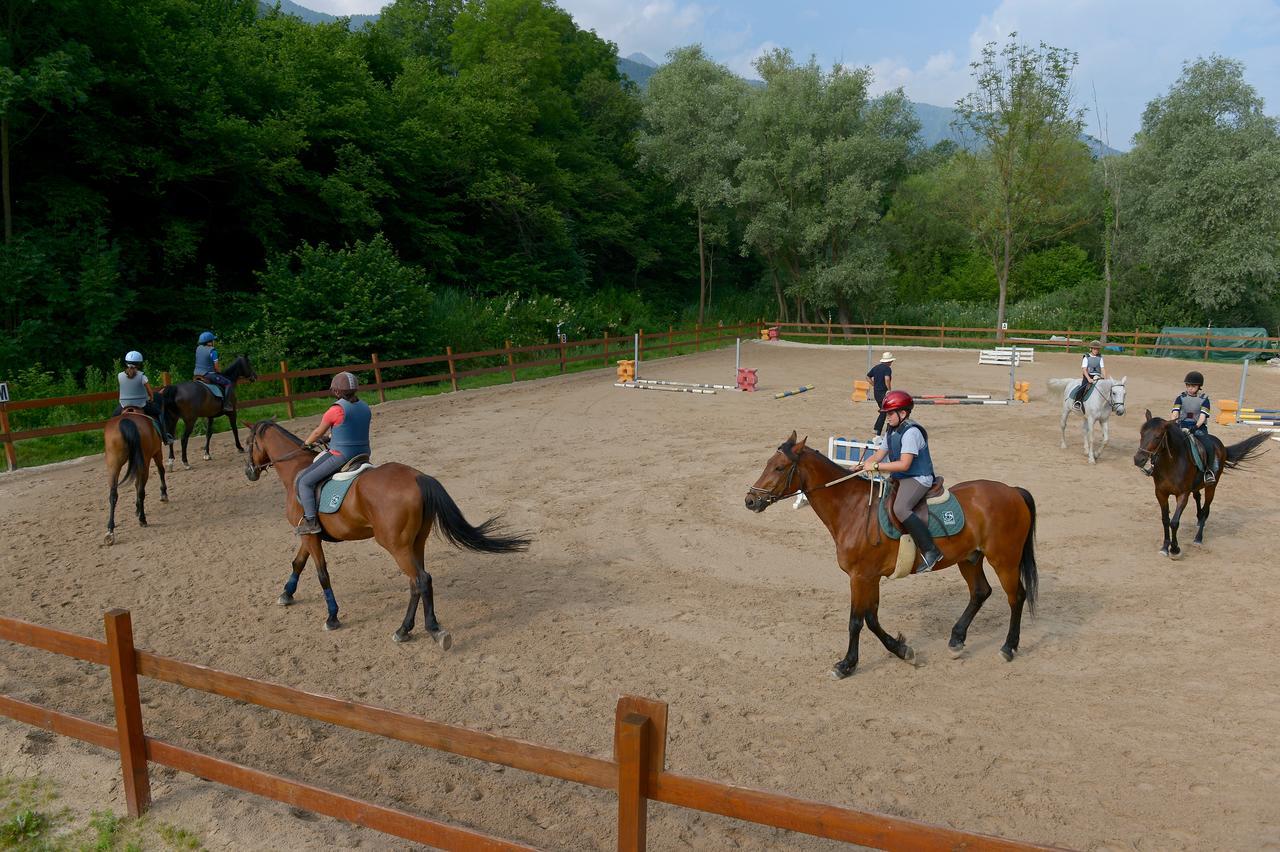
{"x":606,"y":349}
{"x":639,"y":348}
{"x":511,"y":363}
{"x":1068,"y":340}
{"x":10,"y":453}
{"x":562,"y":345}
{"x":377,"y":378}
{"x":719,"y":333}
{"x":884,"y":332}
{"x":671,"y":331}
{"x":942,"y":335}
{"x":828,"y":332}
{"x":288,"y":388}
{"x":697,"y":332}
{"x":165,"y":381}
{"x":639,"y":749}
{"x":453,"y":374}
{"x":1135,"y":341}
{"x":124,"y":687}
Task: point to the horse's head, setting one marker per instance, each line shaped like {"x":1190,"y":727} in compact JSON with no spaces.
{"x":1154,"y":438}
{"x":245,"y":370}
{"x":779,"y":477}
{"x":257,"y":459}
{"x":1117,"y":397}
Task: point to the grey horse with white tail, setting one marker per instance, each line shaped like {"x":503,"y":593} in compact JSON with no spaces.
{"x":1107,"y":399}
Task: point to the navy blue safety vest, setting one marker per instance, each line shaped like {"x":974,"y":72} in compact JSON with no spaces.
{"x":351,"y":436}
{"x":921,"y":465}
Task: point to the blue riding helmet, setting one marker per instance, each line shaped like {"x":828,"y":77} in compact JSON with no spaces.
{"x":206,"y":337}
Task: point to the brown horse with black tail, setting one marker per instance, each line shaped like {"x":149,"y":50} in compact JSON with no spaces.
{"x":189,"y":401}
{"x":1164,"y":454}
{"x":393,"y":504}
{"x":132,"y":443}
{"x":1000,"y":524}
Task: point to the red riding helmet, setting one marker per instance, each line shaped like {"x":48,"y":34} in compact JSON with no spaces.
{"x":897,"y":400}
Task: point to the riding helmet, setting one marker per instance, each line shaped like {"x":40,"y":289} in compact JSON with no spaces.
{"x":343,"y":383}
{"x":896,"y":400}
{"x":1193,"y":378}
{"x":133,"y":357}
{"x":1095,"y":344}
{"x":207,"y":337}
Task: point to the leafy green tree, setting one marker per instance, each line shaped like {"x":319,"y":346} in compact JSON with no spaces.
{"x":1029,"y":176}
{"x":691,"y":114}
{"x":1203,"y":184}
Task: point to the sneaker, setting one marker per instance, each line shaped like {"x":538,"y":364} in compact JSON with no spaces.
{"x":309,"y":526}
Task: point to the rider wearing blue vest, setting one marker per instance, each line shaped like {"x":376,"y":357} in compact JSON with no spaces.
{"x":1092,"y":368}
{"x":1191,"y":409}
{"x":349,"y":418}
{"x":910,"y":463}
{"x":207,"y":368}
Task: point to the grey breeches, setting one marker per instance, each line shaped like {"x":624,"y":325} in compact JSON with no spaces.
{"x":909,"y":494}
{"x":312,"y":477}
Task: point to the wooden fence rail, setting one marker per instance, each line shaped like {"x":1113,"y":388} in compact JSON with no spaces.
{"x":508,"y":355}
{"x":636,"y":773}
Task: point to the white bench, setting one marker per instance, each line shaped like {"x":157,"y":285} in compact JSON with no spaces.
{"x":1003,"y":355}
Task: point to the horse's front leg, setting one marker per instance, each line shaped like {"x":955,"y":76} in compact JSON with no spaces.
{"x":1174,"y":550}
{"x":1066,"y":415}
{"x":208,"y":436}
{"x":235,"y":430}
{"x":291,"y":585}
{"x":1088,"y":439}
{"x":1163,"y":500}
{"x":845,"y":667}
{"x":870,"y":595}
{"x":187,"y":428}
{"x":1106,"y":434}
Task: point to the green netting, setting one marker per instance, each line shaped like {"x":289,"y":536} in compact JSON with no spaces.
{"x":1218,"y":338}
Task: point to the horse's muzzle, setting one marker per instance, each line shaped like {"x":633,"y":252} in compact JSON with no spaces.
{"x":757,"y":502}
{"x":251,"y":473}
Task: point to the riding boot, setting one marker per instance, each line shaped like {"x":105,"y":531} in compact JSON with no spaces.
{"x":228,"y":401}
{"x":919,"y":531}
{"x":308,"y":526}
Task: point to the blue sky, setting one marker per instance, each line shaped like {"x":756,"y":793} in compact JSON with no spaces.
{"x":1130,"y":50}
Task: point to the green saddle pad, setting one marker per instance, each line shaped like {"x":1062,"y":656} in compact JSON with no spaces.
{"x":945,"y":519}
{"x":1076,"y":387}
{"x":1198,"y":452}
{"x":333,"y":492}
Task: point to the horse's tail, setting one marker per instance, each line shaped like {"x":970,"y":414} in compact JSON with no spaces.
{"x":1060,"y":385}
{"x":487,"y":538}
{"x":1247,"y":450}
{"x":1027,"y":567}
{"x":133,"y":444}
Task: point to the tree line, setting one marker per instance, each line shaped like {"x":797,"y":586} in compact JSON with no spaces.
{"x":468,"y":171}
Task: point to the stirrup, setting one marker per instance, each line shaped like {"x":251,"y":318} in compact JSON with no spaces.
{"x":308,"y":526}
{"x":1209,"y":477}
{"x":931,"y":559}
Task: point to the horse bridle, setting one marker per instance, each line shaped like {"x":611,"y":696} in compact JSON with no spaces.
{"x":257,"y":469}
{"x":1111,"y":399}
{"x":1162,"y":444}
{"x":792,"y":473}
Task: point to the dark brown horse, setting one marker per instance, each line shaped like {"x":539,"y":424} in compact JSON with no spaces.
{"x":1000,"y":524}
{"x":132,"y":443}
{"x":393,"y":504}
{"x":189,"y":401}
{"x":1167,"y":448}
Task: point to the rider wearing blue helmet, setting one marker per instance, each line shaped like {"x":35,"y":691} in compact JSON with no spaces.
{"x":135,"y":392}
{"x":207,"y":369}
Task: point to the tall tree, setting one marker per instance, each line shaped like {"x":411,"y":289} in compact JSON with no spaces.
{"x":1032,"y":165}
{"x":1203,"y":179}
{"x":691,"y":117}
{"x":1109,"y":169}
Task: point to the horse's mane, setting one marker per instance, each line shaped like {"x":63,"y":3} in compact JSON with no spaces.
{"x":239,"y":367}
{"x":261,"y":426}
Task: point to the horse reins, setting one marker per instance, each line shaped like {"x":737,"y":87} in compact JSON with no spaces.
{"x":791,"y":474}
{"x":259,"y":468}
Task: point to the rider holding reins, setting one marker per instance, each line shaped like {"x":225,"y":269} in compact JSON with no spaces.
{"x":136,"y":392}
{"x":1191,"y":410}
{"x":208,"y":368}
{"x":1092,"y":368}
{"x":909,"y":462}
{"x":349,"y":418}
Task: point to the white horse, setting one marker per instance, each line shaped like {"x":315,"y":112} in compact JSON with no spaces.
{"x":1107,"y":397}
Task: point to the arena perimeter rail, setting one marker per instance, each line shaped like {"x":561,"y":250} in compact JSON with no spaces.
{"x":622,"y":346}
{"x":637,"y":771}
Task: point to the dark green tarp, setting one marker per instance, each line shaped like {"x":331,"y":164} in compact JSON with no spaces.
{"x":1246,"y":338}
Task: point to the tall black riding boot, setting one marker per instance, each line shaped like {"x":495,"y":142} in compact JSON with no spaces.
{"x":924,"y":542}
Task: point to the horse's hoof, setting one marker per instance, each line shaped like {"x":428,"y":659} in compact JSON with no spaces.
{"x":908,"y":654}
{"x":1198,"y":543}
{"x":956,"y":651}
{"x":169,"y":464}
{"x":443,"y":639}
{"x":839,"y":671}
{"x":164,"y":498}
{"x":1007,"y":654}
{"x":239,"y":449}
{"x":109,"y":538}
{"x":1175,"y":555}
{"x":332,"y":624}
{"x":207,"y":457}
{"x":1163,"y":551}
{"x":284,"y":600}
{"x":401,"y":635}
{"x":186,"y":466}
{"x":142,"y":522}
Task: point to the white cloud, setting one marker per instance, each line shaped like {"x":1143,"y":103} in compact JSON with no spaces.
{"x":344,"y":7}
{"x":940,"y":81}
{"x":743,"y":63}
{"x":650,"y":26}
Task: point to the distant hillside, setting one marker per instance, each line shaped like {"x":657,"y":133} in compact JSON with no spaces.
{"x":313,"y":17}
{"x":641,"y":59}
{"x":638,"y":73}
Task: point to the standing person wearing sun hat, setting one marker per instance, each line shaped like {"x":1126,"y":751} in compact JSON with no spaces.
{"x":881,"y":377}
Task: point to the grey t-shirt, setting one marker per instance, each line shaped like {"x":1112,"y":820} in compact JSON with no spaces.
{"x":133,"y":391}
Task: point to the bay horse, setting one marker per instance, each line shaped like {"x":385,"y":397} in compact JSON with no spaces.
{"x":189,"y":401}
{"x":1106,"y":399}
{"x":132,"y":443}
{"x":1000,"y":525}
{"x":1165,"y":446}
{"x":393,"y":504}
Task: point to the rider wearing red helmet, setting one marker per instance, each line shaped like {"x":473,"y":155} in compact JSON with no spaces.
{"x":909,"y":462}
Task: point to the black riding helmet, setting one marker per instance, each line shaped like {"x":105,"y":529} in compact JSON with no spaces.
{"x":1194,"y":378}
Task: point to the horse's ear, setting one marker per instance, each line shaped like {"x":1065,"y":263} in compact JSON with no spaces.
{"x":1148,"y":413}
{"x":1123,"y":379}
{"x":792,"y":439}
{"x":800,"y":444}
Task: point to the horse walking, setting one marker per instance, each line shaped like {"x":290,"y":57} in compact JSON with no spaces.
{"x":1107,"y":399}
{"x":1164,"y":453}
{"x":1000,"y":523}
{"x":189,"y":401}
{"x":132,"y":443}
{"x":393,"y":504}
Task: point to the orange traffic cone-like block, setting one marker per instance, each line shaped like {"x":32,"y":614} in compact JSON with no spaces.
{"x":626,"y":371}
{"x":860,"y":390}
{"x":746,"y":378}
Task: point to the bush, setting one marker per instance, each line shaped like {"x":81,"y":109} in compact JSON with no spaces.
{"x":1055,"y":269}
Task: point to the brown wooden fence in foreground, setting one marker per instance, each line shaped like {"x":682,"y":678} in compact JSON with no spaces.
{"x":637,"y":772}
{"x":446,"y":367}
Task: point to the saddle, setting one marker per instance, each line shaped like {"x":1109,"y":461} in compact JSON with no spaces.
{"x":936,"y":494}
{"x":939,"y":509}
{"x":331,"y":492}
{"x":136,"y":409}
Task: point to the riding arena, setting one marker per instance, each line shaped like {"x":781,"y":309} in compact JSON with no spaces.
{"x":1139,"y":711}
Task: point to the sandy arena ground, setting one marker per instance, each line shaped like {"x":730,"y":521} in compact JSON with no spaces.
{"x":1142,"y":713}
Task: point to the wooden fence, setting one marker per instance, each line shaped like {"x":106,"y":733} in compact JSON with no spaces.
{"x":1136,"y":342}
{"x":448,"y":367}
{"x":637,"y":772}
